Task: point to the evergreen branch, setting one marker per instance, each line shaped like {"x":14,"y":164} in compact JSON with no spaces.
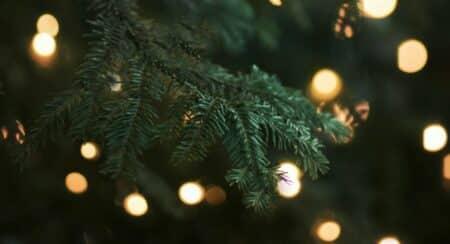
{"x":164,"y":79}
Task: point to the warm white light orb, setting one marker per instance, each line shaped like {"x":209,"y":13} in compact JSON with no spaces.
{"x":47,"y":23}
{"x":412,"y":56}
{"x":76,"y":183}
{"x":434,"y":137}
{"x":89,"y":151}
{"x":377,"y":9}
{"x":135,"y":204}
{"x":44,"y":44}
{"x":290,"y":171}
{"x":326,"y":85}
{"x":389,"y":240}
{"x":276,"y":2}
{"x":116,"y":87}
{"x":289,"y":188}
{"x":328,"y":231}
{"x":191,"y":193}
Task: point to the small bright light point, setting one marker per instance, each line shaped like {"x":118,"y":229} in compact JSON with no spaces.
{"x":326,"y":85}
{"x":116,"y":87}
{"x":135,"y":204}
{"x":434,"y":137}
{"x":290,"y":171}
{"x":328,"y":231}
{"x":378,"y":9}
{"x":289,"y":189}
{"x":47,"y":23}
{"x":446,"y":167}
{"x":44,"y":44}
{"x":76,"y":183}
{"x":215,"y":195}
{"x":276,"y":2}
{"x":389,"y":240}
{"x":191,"y":193}
{"x":412,"y":56}
{"x":89,"y":151}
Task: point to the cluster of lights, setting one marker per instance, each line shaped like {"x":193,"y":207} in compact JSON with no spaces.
{"x":329,"y":231}
{"x":326,"y":85}
{"x":289,"y":185}
{"x":193,"y":193}
{"x":343,"y":26}
{"x":19,"y":135}
{"x":43,"y":43}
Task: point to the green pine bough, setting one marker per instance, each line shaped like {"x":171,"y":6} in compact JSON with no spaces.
{"x":169,"y":94}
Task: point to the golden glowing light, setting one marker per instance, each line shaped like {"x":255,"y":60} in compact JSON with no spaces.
{"x":289,"y":184}
{"x":276,"y":2}
{"x":47,"y":23}
{"x":290,"y":170}
{"x":43,"y":44}
{"x":412,"y":56}
{"x":90,"y":151}
{"x":434,"y":137}
{"x":377,"y":9}
{"x":348,"y":31}
{"x":289,"y":189}
{"x":215,"y":195}
{"x":326,"y":85}
{"x":191,"y":193}
{"x":328,"y":231}
{"x":446,"y":167}
{"x":389,"y":240}
{"x":135,"y":204}
{"x":76,"y":183}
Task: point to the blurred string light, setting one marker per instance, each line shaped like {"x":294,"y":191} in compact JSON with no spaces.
{"x":18,"y":136}
{"x":289,"y":185}
{"x":90,"y":151}
{"x":412,"y":56}
{"x":377,"y":9}
{"x":76,"y":183}
{"x":325,"y":85}
{"x":215,"y":195}
{"x":43,"y":44}
{"x":5,"y":132}
{"x":446,"y":167}
{"x":389,"y":240}
{"x":116,"y":85}
{"x":328,"y":231}
{"x":191,"y":193}
{"x":135,"y":204}
{"x":47,"y":23}
{"x":434,"y":137}
{"x":276,"y":2}
{"x":345,"y":21}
